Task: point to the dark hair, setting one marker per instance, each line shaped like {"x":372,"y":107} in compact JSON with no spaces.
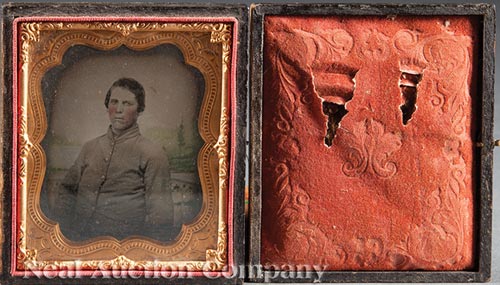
{"x":131,"y":85}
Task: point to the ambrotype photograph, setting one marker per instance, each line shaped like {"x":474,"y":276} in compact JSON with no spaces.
{"x":122,"y":143}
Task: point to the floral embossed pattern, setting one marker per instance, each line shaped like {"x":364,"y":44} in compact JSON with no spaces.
{"x":369,"y":150}
{"x":393,"y":188}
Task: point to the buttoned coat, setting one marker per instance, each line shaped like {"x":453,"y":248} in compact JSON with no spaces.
{"x":122,"y":188}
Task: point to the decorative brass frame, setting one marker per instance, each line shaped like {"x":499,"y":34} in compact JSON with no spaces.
{"x":39,"y":243}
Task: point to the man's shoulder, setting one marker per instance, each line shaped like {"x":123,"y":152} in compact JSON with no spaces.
{"x":149,"y":147}
{"x":91,"y":144}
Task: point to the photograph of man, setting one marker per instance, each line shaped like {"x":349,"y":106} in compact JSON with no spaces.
{"x":120,"y":181}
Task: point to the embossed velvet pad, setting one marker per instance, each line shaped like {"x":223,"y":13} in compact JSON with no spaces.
{"x":368,"y":142}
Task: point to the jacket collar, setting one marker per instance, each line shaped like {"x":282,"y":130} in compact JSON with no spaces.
{"x":125,"y":135}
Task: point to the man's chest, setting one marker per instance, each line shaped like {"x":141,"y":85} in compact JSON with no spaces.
{"x":113,"y":166}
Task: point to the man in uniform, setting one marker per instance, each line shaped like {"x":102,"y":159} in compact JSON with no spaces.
{"x":121,"y":179}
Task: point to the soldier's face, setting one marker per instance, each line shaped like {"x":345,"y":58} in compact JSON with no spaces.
{"x":122,"y":109}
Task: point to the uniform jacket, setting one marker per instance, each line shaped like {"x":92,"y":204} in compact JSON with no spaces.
{"x":122,"y":188}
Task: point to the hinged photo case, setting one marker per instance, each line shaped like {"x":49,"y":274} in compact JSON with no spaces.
{"x":124,"y":143}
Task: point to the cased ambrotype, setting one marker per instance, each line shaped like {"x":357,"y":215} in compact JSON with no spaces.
{"x":373,"y":134}
{"x":102,"y":180}
{"x":43,"y":45}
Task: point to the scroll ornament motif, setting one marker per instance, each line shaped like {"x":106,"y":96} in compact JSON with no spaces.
{"x":286,"y":108}
{"x":120,"y":262}
{"x":445,"y":220}
{"x":25,"y":257}
{"x":369,"y":147}
{"x":24,"y":146}
{"x":374,"y":45}
{"x":308,"y":240}
{"x":221,"y":33}
{"x":304,"y":236}
{"x":447,"y":57}
{"x":450,"y":61}
{"x":295,"y":201}
{"x":29,"y":262}
{"x":217,"y":259}
{"x":30,"y":33}
{"x":124,"y":28}
{"x":325,"y":45}
{"x":222,"y":147}
{"x":367,"y":251}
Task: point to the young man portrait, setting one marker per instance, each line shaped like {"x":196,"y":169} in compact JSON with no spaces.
{"x":120,"y":181}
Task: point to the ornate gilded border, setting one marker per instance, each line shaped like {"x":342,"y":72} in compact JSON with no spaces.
{"x":39,"y":242}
